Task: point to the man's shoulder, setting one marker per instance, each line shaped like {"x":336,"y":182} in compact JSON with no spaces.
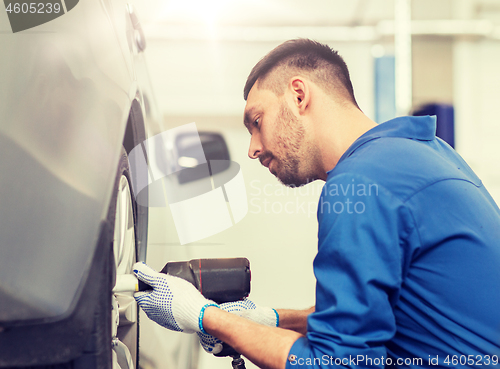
{"x":404,"y":166}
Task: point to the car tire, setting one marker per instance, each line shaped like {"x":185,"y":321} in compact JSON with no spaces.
{"x":114,"y":340}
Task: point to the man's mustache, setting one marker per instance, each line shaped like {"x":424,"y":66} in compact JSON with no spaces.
{"x":266,"y":155}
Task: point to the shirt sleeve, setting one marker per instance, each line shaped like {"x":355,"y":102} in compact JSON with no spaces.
{"x":359,"y":268}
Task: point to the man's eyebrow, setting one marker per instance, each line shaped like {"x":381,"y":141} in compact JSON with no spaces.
{"x":247,"y":121}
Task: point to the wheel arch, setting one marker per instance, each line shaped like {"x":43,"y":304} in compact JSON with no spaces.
{"x":135,"y":131}
{"x":135,"y":134}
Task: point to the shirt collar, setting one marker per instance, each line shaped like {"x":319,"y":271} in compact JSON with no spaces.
{"x":415,"y":128}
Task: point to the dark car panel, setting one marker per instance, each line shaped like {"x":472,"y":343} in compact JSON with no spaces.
{"x":63,"y":117}
{"x":73,"y":94}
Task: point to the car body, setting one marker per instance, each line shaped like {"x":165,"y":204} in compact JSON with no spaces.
{"x":74,"y":92}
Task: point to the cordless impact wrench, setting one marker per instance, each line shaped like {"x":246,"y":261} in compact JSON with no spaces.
{"x":220,"y":280}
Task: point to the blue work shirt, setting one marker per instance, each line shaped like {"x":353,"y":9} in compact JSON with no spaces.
{"x":408,"y":263}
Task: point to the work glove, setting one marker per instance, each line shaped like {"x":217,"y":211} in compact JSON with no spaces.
{"x":173,"y":303}
{"x":246,"y":309}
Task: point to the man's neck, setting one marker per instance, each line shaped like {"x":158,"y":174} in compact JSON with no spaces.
{"x":337,"y":130}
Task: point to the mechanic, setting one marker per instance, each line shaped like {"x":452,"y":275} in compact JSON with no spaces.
{"x":408,"y":255}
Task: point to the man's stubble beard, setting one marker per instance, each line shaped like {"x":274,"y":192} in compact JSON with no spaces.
{"x":291,"y":150}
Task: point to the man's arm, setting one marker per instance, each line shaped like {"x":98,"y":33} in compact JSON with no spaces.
{"x":296,"y":320}
{"x":267,"y":347}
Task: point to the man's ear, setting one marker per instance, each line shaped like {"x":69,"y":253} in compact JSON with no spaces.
{"x":300,"y":93}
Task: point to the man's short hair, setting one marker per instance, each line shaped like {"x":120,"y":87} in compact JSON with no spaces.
{"x":323,"y":65}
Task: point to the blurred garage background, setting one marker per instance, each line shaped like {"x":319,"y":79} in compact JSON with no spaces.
{"x":403,"y":56}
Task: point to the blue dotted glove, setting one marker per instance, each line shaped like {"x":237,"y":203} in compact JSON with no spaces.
{"x":210,"y":344}
{"x":173,"y":303}
{"x":246,"y":309}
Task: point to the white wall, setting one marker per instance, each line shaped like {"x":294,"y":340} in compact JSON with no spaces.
{"x":207,"y":77}
{"x":477,"y":101}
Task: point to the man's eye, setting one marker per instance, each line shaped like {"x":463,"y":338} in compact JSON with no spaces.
{"x":256,"y":122}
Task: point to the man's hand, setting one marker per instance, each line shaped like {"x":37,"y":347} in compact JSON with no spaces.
{"x":246,"y":309}
{"x":173,"y":303}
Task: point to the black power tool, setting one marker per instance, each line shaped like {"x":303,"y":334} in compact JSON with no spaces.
{"x":220,"y":280}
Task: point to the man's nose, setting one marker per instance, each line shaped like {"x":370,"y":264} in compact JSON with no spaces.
{"x":255,"y":148}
